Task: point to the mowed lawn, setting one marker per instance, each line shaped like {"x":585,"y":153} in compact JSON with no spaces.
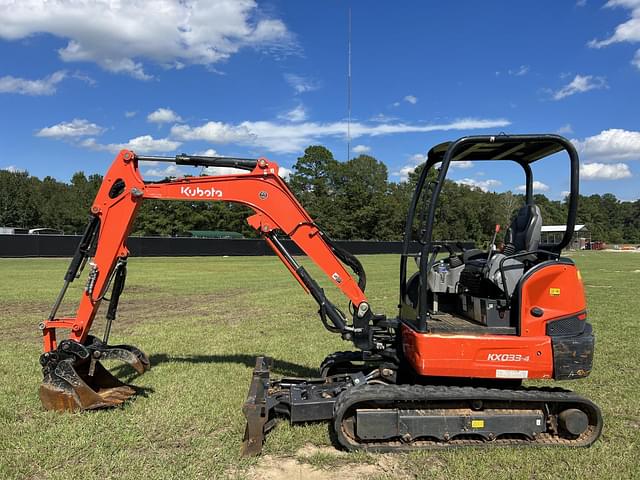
{"x":202,"y":321}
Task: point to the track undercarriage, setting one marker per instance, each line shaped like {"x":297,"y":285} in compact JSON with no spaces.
{"x":367,"y":412}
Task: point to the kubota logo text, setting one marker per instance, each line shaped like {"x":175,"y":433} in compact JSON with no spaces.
{"x":200,"y":192}
{"x":507,"y":357}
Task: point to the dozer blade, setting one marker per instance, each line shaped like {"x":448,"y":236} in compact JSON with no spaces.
{"x":256,"y":409}
{"x":74,"y":379}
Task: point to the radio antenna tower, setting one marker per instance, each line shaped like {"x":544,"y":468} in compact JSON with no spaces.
{"x":349,"y":89}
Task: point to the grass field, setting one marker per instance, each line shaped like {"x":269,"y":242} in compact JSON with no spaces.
{"x":202,"y":321}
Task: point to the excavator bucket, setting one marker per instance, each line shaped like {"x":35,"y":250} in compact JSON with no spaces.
{"x":74,"y":378}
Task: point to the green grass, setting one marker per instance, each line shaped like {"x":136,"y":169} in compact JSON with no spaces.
{"x":203,"y":320}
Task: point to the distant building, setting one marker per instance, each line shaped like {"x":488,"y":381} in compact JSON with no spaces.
{"x":554,"y":233}
{"x":13,"y":231}
{"x":46,"y":231}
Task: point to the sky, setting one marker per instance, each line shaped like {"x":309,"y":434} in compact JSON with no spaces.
{"x":81,"y":80}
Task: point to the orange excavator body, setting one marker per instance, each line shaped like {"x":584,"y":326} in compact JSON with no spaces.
{"x":557,"y":290}
{"x":470,"y":329}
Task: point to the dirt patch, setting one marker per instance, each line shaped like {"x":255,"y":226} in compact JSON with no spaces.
{"x":20,"y":320}
{"x":334,"y":464}
{"x":227,"y":307}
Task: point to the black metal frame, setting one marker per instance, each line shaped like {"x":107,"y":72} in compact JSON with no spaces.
{"x":454,"y":149}
{"x":200,"y":161}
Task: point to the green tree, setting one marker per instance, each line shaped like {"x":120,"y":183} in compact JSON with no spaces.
{"x":313,"y":183}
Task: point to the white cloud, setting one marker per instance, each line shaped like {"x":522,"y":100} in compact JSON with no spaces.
{"x":520,"y":71}
{"x":163,"y":115}
{"x":284,"y":173}
{"x":78,"y":127}
{"x":604,"y":171}
{"x":411,"y":99}
{"x":217,"y":171}
{"x":580,"y":84}
{"x":12,"y":169}
{"x":215,"y":132}
{"x":564,"y":194}
{"x":403,"y":173}
{"x":170,"y":171}
{"x":462,"y":164}
{"x":297,"y":114}
{"x":565,"y":129}
{"x":382,"y":118}
{"x":23,"y":86}
{"x":359,"y":149}
{"x":130,"y":114}
{"x":289,"y":138}
{"x":610,"y":145}
{"x":484,"y":185}
{"x":141,"y":144}
{"x":209,"y":152}
{"x":537,"y":187}
{"x":147,"y":144}
{"x":418,"y":159}
{"x":301,"y":84}
{"x":628,"y":31}
{"x":83,"y":77}
{"x":119,"y":36}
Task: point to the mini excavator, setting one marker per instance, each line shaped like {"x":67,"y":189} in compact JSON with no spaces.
{"x":447,"y":371}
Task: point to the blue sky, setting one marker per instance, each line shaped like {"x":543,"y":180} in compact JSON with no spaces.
{"x":77,"y":83}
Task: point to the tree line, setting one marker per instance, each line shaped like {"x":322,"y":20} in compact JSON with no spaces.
{"x":352,"y":200}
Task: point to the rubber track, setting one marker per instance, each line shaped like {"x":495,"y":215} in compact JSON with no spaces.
{"x":399,"y":394}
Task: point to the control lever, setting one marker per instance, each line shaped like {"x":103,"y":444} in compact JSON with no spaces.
{"x":493,"y":242}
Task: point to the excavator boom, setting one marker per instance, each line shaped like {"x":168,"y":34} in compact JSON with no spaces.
{"x":74,"y":361}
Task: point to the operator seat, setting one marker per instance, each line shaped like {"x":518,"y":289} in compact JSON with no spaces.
{"x":523,"y":235}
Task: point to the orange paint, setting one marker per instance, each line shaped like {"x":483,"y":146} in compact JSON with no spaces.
{"x":555,"y":288}
{"x":261,"y":189}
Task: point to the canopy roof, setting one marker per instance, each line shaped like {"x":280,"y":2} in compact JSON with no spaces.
{"x":526,"y":151}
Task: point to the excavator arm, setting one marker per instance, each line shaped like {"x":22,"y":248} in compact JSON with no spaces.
{"x":103,"y":246}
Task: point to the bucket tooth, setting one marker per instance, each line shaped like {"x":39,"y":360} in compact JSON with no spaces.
{"x":74,"y":379}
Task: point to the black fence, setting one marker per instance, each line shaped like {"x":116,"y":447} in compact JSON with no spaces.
{"x":16,"y":246}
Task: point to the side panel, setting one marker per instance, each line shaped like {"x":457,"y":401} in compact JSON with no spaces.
{"x":549,"y":292}
{"x":482,"y":356}
{"x":553,"y":291}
